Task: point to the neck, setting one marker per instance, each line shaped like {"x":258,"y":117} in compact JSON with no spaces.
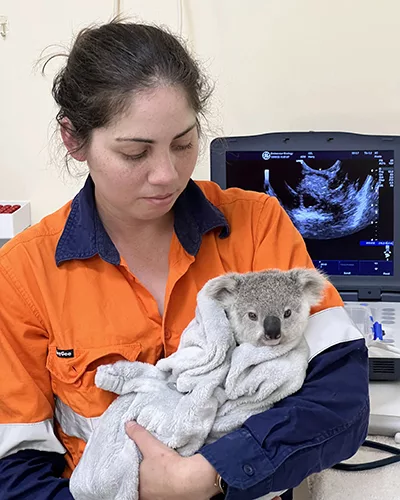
{"x":125,"y":230}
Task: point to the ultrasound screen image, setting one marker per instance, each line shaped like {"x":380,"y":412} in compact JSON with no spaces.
{"x":340,"y":201}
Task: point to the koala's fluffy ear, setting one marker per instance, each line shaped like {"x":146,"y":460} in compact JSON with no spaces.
{"x":312,"y":281}
{"x":224,"y":288}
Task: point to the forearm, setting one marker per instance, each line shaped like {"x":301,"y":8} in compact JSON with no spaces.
{"x":33,"y":475}
{"x":322,"y":424}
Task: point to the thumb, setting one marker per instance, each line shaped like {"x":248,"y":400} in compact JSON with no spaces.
{"x":144,"y":440}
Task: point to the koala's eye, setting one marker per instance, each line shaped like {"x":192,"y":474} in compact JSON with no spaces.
{"x":253,"y":316}
{"x":287,"y":313}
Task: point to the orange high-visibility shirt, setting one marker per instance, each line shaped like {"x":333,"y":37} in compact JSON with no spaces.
{"x":69,"y":303}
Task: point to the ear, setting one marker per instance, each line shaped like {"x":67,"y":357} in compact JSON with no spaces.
{"x":70,"y":141}
{"x":224,"y":289}
{"x":312,"y":283}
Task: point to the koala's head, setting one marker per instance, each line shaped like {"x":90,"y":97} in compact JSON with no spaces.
{"x":268,"y":307}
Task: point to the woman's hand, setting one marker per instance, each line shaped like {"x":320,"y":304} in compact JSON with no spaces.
{"x":165,"y":475}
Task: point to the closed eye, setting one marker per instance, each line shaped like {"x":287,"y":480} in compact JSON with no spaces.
{"x":135,"y":157}
{"x":183,"y":147}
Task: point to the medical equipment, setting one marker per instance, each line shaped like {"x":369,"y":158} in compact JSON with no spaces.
{"x":341,"y":192}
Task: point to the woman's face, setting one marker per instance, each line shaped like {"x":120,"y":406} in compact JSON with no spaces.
{"x":143,"y":160}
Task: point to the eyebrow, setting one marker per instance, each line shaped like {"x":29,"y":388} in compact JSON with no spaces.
{"x":151,"y":141}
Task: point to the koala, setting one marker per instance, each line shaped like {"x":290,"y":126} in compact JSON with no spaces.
{"x":270,"y":307}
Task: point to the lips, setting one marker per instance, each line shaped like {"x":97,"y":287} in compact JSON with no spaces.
{"x":160,"y":200}
{"x":160,"y":197}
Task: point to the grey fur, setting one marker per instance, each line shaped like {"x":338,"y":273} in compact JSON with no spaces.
{"x":267,"y":296}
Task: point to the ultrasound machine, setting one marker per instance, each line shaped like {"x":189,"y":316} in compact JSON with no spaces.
{"x":343,"y":195}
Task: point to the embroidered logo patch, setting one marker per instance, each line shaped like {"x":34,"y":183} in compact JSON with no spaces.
{"x":65,"y":353}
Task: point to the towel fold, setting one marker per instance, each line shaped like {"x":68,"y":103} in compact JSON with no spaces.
{"x":207,"y":388}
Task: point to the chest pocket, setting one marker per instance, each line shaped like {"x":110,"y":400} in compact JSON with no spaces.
{"x":72,"y":377}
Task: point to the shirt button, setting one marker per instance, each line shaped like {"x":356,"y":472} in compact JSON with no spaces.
{"x":167,"y":334}
{"x":248,"y":469}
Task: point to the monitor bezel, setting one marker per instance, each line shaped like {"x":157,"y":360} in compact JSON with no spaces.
{"x":367,"y":287}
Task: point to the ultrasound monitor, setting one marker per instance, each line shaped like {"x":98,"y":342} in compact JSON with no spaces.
{"x":339,"y":190}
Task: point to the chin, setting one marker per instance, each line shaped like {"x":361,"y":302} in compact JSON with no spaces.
{"x":152,"y":216}
{"x":151,"y":209}
{"x":152,"y":213}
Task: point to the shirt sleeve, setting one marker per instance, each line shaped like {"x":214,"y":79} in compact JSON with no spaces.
{"x":33,"y":475}
{"x":322,"y":424}
{"x":31,"y":456}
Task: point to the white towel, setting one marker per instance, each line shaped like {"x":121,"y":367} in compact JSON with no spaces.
{"x":207,"y":388}
{"x":375,"y":484}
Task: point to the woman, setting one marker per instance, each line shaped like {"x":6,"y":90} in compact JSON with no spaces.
{"x":115,"y":273}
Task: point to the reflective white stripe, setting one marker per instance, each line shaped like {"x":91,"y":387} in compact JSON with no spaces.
{"x":38,"y":436}
{"x":72,"y":423}
{"x":328,"y":328}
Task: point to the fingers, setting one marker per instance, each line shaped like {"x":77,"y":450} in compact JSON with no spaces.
{"x":148,"y":445}
{"x":137,"y":432}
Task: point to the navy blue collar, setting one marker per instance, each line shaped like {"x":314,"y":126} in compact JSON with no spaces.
{"x":84,"y":235}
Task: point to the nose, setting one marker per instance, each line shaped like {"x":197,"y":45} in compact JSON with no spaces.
{"x":272,"y":327}
{"x":163,"y":172}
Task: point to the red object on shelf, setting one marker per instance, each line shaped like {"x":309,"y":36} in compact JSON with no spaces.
{"x":15,"y":217}
{"x":9,"y":209}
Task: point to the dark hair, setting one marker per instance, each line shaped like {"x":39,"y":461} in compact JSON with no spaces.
{"x":108,"y":64}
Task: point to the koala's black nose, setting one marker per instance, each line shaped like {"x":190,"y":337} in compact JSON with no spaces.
{"x":272,"y":327}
